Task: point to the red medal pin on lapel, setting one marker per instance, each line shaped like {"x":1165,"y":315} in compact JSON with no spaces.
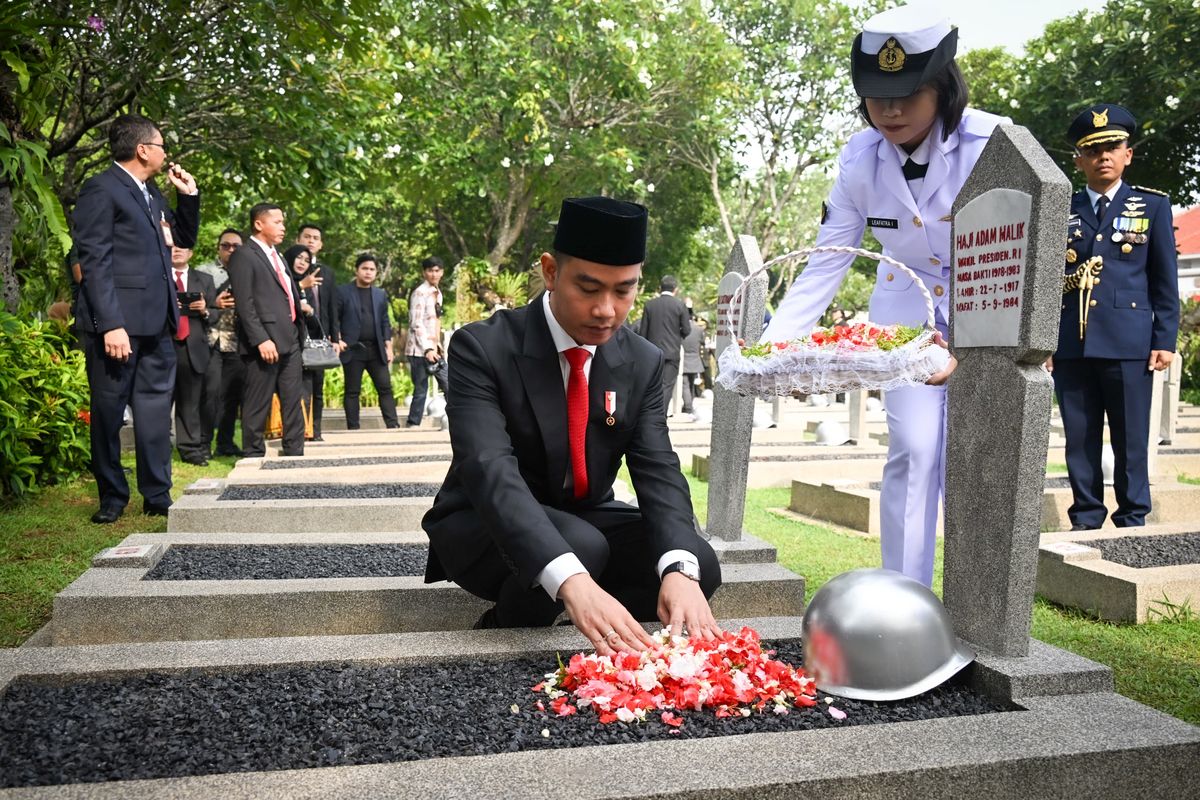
{"x":610,"y":406}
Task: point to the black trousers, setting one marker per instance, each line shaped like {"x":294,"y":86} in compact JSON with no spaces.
{"x":210,"y":401}
{"x":377,"y":368}
{"x":317,"y":377}
{"x":233,"y":387}
{"x":419,"y":369}
{"x":670,"y":373}
{"x":689,"y":390}
{"x":145,"y":382}
{"x":285,"y":377}
{"x":612,"y":544}
{"x":189,"y":389}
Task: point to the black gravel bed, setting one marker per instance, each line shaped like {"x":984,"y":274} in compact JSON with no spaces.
{"x":383,"y":441}
{"x":329,"y":491}
{"x":1187,"y":429}
{"x":1057,"y":482}
{"x":1143,"y":552}
{"x":360,"y":461}
{"x":161,"y":725}
{"x":270,"y":562}
{"x":1168,"y":450}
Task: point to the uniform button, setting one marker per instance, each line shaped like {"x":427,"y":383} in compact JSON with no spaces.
{"x":891,"y":277}
{"x":1099,"y":237}
{"x":1133,"y":305}
{"x":935,"y":262}
{"x":939,"y":291}
{"x":1095,"y":280}
{"x":1090,"y":303}
{"x":917,"y":221}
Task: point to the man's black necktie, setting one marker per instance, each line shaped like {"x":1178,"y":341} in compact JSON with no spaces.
{"x":912,"y":170}
{"x":1101,"y":206}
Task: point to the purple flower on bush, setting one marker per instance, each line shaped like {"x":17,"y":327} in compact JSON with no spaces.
{"x":96,"y":23}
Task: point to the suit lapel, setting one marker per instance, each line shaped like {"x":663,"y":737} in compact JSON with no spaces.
{"x":132,"y":186}
{"x":939,"y":163}
{"x":611,"y":372}
{"x":541,"y":375}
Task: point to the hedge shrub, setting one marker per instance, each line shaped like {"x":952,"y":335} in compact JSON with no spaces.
{"x":44,"y":416}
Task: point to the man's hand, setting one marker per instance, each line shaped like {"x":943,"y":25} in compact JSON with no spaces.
{"x":116,"y":345}
{"x":681,"y":604}
{"x":601,"y":618}
{"x":198,"y":305}
{"x":431,"y":356}
{"x":267,"y":351}
{"x":182,"y":179}
{"x":1160,"y":360}
{"x":387,"y":349}
{"x":1049,"y":365}
{"x":939,"y":378}
{"x":225,"y":300}
{"x":339,"y":346}
{"x":305,"y":308}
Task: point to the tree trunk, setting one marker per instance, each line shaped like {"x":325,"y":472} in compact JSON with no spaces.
{"x":714,"y":178}
{"x":10,"y":290}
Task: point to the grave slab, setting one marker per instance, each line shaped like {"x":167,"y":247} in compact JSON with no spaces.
{"x":777,"y":468}
{"x":1092,"y":744}
{"x":203,"y":512}
{"x":404,"y":468}
{"x":1073,"y":572}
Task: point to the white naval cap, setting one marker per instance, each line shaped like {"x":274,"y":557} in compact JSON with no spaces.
{"x":901,"y":49}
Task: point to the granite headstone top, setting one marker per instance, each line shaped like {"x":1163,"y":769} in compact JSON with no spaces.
{"x":739,"y":316}
{"x":1007,"y":237}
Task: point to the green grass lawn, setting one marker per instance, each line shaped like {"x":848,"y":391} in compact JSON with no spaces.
{"x":48,"y":541}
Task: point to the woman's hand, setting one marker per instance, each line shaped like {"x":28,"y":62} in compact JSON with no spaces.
{"x":940,"y":378}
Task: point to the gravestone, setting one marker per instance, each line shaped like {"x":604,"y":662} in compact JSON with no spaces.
{"x":739,"y":316}
{"x":1007,"y":238}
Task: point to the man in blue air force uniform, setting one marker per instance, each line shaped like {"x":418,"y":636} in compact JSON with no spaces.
{"x":1120,"y":317}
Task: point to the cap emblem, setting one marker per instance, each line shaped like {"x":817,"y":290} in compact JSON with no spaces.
{"x":1101,"y":119}
{"x":891,"y":56}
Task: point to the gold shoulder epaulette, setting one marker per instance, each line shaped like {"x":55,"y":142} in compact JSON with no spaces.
{"x":1149,"y":190}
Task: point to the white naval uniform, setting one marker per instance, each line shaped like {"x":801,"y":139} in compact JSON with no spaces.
{"x":870,"y":189}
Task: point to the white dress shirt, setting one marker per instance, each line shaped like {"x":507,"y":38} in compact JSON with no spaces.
{"x":554,"y":574}
{"x":919,"y":156}
{"x":1094,"y":196}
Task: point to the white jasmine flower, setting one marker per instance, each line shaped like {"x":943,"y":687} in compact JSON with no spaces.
{"x":409,"y":65}
{"x":311,"y":58}
{"x":394,"y":32}
{"x":1014,"y":103}
{"x":1098,"y":39}
{"x":1003,"y":93}
{"x":1145,"y":36}
{"x":237,"y":179}
{"x":631,"y":44}
{"x":397,"y":98}
{"x":506,"y":162}
{"x":281,"y":90}
{"x":1050,"y":57}
{"x":482,"y":192}
{"x":644,"y":78}
{"x":650,"y":188}
{"x":1172,"y":102}
{"x":606,"y":25}
{"x":358,"y":151}
{"x":629,"y":167}
{"x":549,"y":159}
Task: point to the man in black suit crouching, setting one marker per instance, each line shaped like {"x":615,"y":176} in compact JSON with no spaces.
{"x":544,"y":401}
{"x":269,"y":333}
{"x":126,"y":308}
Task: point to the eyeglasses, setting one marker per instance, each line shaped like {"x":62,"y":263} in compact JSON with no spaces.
{"x":228,"y":246}
{"x":155,"y":144}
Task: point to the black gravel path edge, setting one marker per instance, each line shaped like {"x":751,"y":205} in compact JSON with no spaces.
{"x":162,"y":725}
{"x":1150,"y":550}
{"x":328,"y":491}
{"x":242,"y":562}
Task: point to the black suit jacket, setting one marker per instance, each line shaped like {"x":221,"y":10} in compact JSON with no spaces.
{"x":351,"y":318}
{"x":327,"y":305}
{"x":262,"y":304}
{"x":197,"y":341}
{"x":508,"y":430}
{"x":126,"y":264}
{"x":665,"y":322}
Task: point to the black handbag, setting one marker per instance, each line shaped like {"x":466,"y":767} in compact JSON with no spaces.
{"x":319,"y":353}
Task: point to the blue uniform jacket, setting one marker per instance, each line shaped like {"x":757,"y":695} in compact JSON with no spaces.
{"x":1134,"y":307}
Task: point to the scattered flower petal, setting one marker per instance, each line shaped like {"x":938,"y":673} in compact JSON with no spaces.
{"x":837,"y":713}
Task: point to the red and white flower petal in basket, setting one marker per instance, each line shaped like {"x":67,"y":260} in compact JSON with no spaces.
{"x":732,"y":675}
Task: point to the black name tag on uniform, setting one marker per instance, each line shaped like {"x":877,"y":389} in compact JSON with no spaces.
{"x":881,"y":222}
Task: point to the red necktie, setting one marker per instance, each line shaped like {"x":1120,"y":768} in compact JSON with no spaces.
{"x":283,"y":281}
{"x":577,"y":416}
{"x":185,"y":325}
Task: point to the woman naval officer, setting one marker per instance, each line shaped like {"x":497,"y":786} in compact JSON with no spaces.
{"x":900,"y":179}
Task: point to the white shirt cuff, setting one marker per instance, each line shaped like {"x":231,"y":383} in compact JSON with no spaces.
{"x":672,"y":556}
{"x":554,"y":574}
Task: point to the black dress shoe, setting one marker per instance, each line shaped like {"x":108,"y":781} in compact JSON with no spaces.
{"x":198,"y":461}
{"x":153,"y":510}
{"x":107,"y":516}
{"x":236,"y":452}
{"x":487,"y":621}
{"x":1078,"y":527}
{"x":318,"y":438}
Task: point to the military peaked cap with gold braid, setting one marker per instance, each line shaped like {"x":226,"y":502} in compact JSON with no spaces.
{"x":1101,"y":123}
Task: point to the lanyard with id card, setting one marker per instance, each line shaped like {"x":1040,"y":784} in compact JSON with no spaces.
{"x":166,"y":231}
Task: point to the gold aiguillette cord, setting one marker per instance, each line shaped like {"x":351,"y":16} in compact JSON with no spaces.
{"x":1083,"y":279}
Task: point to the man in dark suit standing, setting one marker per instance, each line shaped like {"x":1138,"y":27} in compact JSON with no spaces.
{"x":269,"y":333}
{"x":192,"y":355}
{"x":127,"y":310}
{"x":1120,"y":319}
{"x":544,"y":402}
{"x":664,"y":323}
{"x":322,"y":287}
{"x":367,"y":332}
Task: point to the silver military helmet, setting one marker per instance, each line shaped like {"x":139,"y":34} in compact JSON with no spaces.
{"x":874,"y":634}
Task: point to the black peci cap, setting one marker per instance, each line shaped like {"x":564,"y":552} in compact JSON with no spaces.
{"x":602,"y":230}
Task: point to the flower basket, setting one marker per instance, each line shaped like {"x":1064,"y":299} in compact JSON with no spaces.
{"x":832,"y":360}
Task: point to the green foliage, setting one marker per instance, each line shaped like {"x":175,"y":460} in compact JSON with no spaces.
{"x":1142,"y":54}
{"x":335,"y":386}
{"x":1188,"y":348}
{"x":44,"y":417}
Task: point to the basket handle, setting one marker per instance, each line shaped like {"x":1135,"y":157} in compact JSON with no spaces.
{"x":804,"y":252}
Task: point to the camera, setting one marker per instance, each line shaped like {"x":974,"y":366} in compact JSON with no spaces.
{"x":437,"y":310}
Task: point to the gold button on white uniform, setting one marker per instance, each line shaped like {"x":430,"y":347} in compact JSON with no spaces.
{"x":917,"y":221}
{"x":939,"y":291}
{"x":891,"y":277}
{"x":935,"y":262}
